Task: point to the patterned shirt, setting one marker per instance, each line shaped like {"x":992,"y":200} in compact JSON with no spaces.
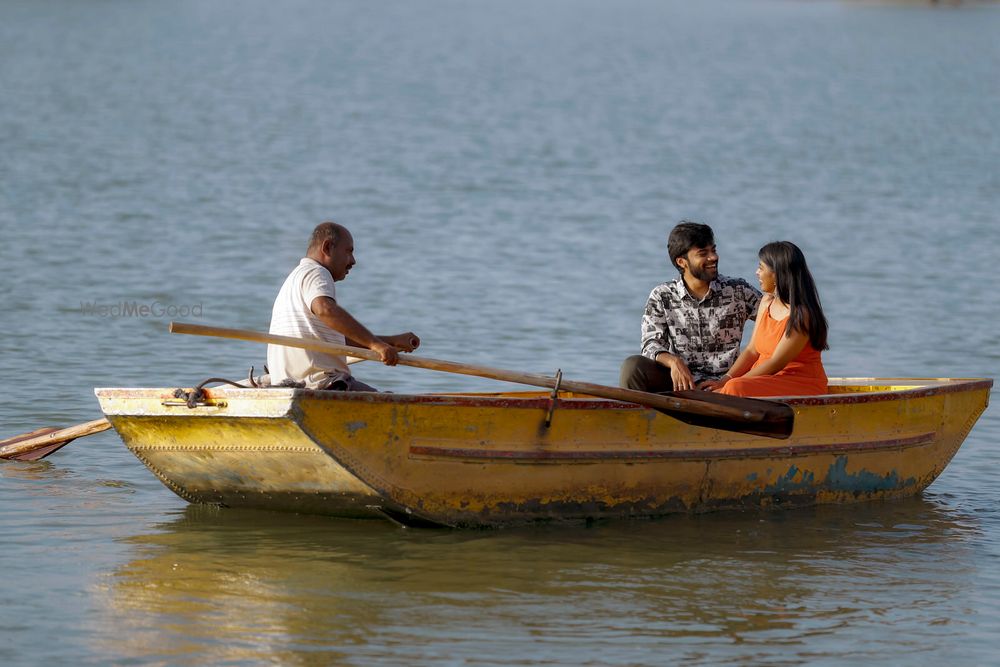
{"x":706,"y":334}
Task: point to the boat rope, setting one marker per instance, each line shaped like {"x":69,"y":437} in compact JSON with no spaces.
{"x":197,"y":395}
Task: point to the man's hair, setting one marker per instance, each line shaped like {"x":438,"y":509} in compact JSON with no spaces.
{"x":325,"y":231}
{"x":687,"y":235}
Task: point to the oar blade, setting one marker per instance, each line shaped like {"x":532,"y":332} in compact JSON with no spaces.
{"x":39,"y":444}
{"x":31,"y":455}
{"x":41,"y":452}
{"x":772,"y":419}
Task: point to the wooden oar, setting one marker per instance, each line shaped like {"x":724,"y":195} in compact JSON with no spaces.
{"x":39,"y":444}
{"x":743,"y":415}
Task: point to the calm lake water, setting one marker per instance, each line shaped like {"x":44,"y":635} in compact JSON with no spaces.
{"x":510,"y":172}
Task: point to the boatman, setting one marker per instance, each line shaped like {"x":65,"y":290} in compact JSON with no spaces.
{"x":693,"y":325}
{"x":306,"y":307}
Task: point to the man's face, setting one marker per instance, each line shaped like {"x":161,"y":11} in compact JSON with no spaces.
{"x":340,"y":257}
{"x":701,"y":263}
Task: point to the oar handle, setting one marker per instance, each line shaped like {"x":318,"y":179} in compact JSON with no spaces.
{"x":361,"y":353}
{"x":669,"y":403}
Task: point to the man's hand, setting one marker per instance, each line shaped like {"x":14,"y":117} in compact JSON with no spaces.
{"x":406,"y":342}
{"x":388,"y":354}
{"x":680,"y":375}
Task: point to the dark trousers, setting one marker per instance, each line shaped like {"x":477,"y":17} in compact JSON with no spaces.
{"x":343,"y":382}
{"x":643,"y":374}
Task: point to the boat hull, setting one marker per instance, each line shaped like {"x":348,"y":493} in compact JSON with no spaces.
{"x":489,"y":459}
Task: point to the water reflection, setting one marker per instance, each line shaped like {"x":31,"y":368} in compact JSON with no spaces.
{"x":218,"y":585}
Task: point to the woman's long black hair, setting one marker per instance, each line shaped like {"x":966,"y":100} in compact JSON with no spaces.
{"x":794,"y":285}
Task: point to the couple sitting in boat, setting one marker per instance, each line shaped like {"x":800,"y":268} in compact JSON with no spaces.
{"x":692,"y":326}
{"x":691,"y":329}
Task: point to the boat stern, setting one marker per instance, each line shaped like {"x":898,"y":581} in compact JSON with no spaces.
{"x":236,"y":447}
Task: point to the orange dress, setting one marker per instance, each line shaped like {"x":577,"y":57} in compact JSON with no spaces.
{"x":802,"y":376}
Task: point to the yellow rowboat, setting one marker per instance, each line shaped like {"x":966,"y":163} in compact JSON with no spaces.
{"x":500,"y":458}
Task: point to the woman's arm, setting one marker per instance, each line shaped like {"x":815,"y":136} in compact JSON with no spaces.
{"x":744,"y":362}
{"x":748,"y":357}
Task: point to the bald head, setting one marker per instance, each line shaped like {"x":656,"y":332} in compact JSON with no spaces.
{"x":326,"y":231}
{"x":332,"y":247}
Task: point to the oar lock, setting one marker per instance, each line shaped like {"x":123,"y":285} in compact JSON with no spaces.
{"x":554,"y":398}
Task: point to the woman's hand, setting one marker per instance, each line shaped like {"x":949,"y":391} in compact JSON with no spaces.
{"x":714,"y":385}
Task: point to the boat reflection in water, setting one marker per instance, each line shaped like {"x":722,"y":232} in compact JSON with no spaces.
{"x":251,"y":586}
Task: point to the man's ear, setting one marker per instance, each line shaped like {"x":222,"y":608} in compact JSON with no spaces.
{"x":682,"y":262}
{"x":327,"y":247}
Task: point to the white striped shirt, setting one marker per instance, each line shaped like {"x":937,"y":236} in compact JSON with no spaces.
{"x":292,"y":316}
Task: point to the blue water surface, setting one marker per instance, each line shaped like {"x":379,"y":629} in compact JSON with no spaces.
{"x":510,"y":172}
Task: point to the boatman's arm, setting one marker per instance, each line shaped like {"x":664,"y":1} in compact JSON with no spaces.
{"x":356,"y":333}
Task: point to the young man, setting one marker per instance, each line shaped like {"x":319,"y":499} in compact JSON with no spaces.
{"x":693,"y":325}
{"x":306,"y":307}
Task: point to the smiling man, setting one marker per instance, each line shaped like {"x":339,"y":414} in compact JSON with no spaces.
{"x":306,"y":307}
{"x":693,"y":325}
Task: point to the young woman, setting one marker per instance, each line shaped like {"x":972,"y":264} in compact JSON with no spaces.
{"x":783,"y":358}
